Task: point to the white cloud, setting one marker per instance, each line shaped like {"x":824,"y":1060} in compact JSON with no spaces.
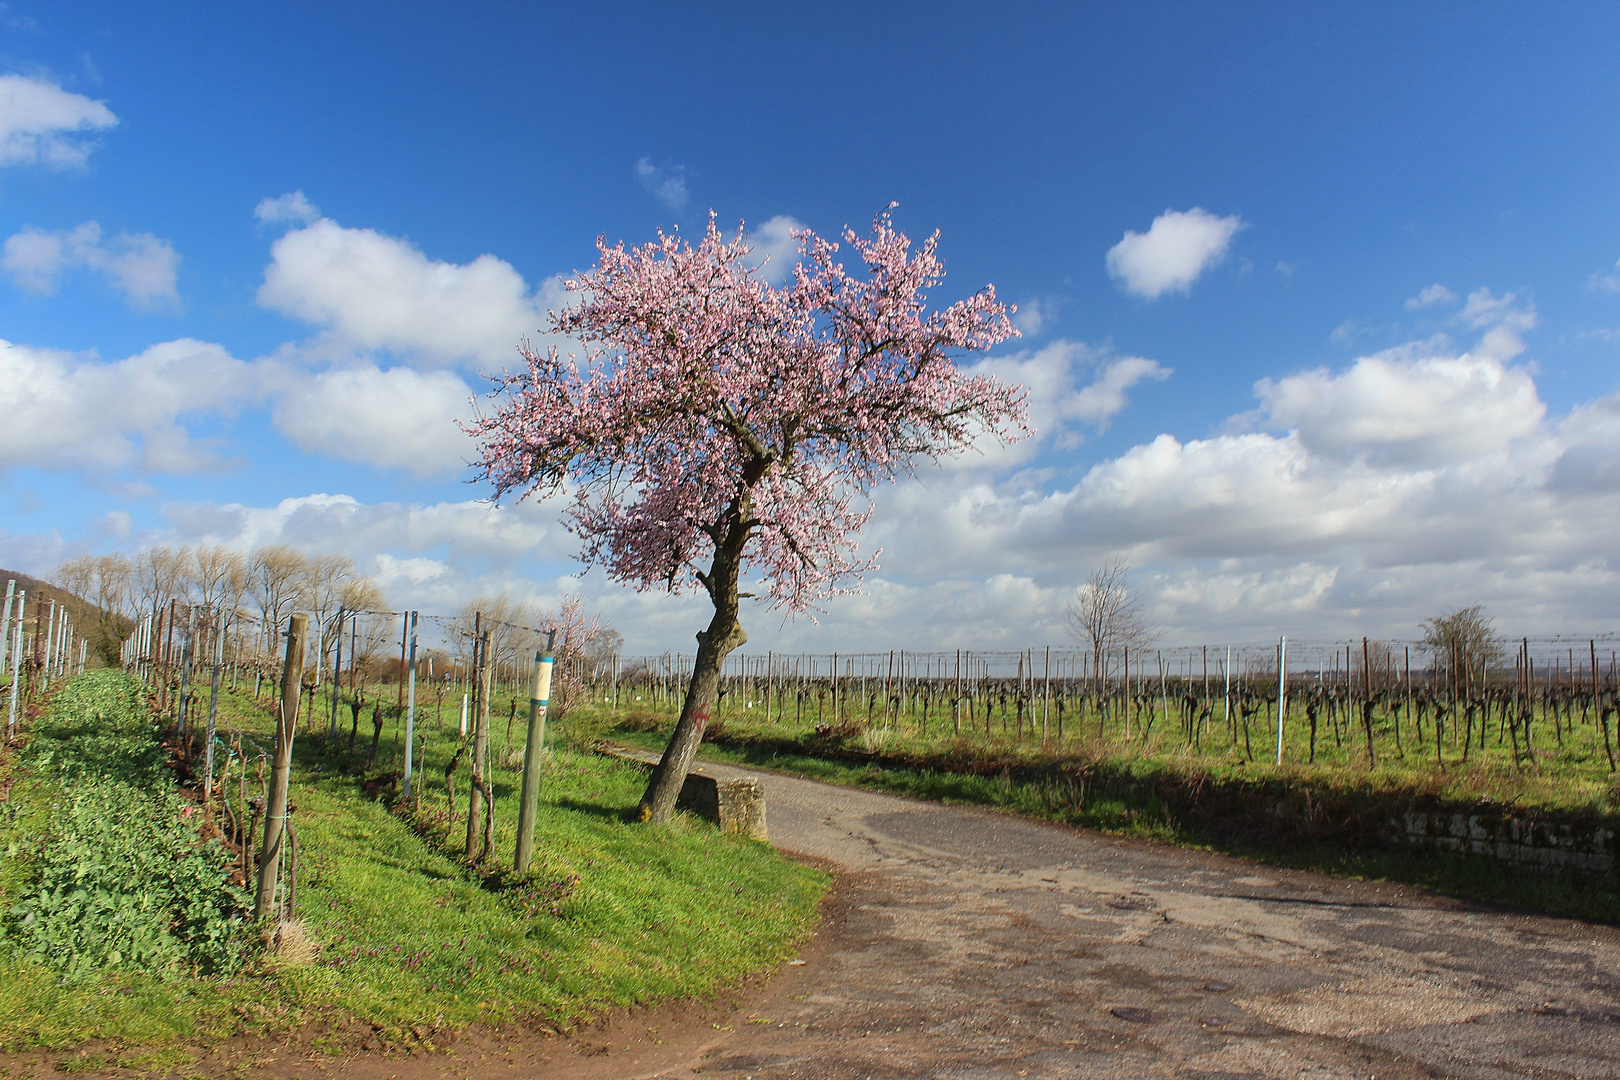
{"x":291,"y":207}
{"x":1379,"y":493}
{"x":1434,"y":294}
{"x":1503,"y":318}
{"x":373,"y":291}
{"x":470,"y":530}
{"x":1407,"y":406}
{"x":40,"y":123}
{"x":1033,"y":316}
{"x":1609,"y":282}
{"x":64,"y":410}
{"x":773,"y":246}
{"x":1590,"y":457}
{"x":666,"y":183}
{"x":141,"y":266}
{"x":1069,"y":382}
{"x":394,"y":419}
{"x":1176,"y":249}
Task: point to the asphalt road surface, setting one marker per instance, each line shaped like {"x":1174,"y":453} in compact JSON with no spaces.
{"x":970,"y":944}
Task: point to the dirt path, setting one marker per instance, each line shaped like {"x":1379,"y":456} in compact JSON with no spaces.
{"x":977,"y":944}
{"x":967,"y":944}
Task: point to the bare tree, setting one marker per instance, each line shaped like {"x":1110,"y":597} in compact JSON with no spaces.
{"x":158,"y":573}
{"x":1106,"y":614}
{"x":78,"y":576}
{"x":581,"y":639}
{"x":510,"y":632}
{"x":104,"y":581}
{"x":114,"y":583}
{"x":274,"y":575}
{"x":209,"y":571}
{"x":321,"y":589}
{"x":1463,"y":642}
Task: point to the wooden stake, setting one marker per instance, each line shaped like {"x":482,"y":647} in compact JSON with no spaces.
{"x":292,"y":674}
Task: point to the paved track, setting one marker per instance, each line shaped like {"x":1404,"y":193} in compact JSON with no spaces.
{"x":978,"y":945}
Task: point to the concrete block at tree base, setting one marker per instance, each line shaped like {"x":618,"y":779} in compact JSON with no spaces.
{"x":737,"y":806}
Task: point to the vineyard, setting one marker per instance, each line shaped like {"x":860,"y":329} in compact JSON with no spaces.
{"x":1542,"y":727}
{"x":133,"y":810}
{"x":402,"y":823}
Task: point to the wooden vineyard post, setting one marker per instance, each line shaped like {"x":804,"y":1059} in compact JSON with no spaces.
{"x":475,"y":799}
{"x":275,"y":820}
{"x":1597,"y":706}
{"x":539,"y":700}
{"x":1282,"y":691}
{"x":404,"y":642}
{"x":168,"y":655}
{"x":1046,"y":694}
{"x":1366,"y":703}
{"x":213,"y":712}
{"x":337,"y":678}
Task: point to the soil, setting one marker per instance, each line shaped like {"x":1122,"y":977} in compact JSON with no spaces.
{"x":964,"y":943}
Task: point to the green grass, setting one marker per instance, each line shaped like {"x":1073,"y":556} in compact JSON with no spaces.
{"x":1129,"y":791}
{"x":413,"y":942}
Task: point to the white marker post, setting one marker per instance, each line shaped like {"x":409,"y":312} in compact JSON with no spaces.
{"x":539,"y":699}
{"x":16,"y":664}
{"x":1282,"y":691}
{"x":410,"y":708}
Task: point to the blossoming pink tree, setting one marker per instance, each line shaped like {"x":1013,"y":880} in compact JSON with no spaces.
{"x":723,"y":431}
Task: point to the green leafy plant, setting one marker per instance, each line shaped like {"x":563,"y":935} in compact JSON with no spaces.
{"x":120,"y":875}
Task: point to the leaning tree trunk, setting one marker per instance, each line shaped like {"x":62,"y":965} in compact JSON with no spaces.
{"x":724,"y":634}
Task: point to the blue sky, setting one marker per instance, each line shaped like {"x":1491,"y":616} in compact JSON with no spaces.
{"x":1358,"y":363}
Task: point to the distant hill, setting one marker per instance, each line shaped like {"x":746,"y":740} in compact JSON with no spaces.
{"x":105,"y":630}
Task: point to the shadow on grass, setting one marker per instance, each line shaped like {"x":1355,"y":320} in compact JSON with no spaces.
{"x":626,"y":814}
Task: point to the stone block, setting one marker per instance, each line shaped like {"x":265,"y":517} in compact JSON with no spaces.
{"x":737,"y":805}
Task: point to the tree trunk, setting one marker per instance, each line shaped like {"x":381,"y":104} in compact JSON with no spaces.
{"x":724,"y":634}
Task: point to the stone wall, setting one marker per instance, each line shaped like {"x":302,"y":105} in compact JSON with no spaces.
{"x":1542,"y":845}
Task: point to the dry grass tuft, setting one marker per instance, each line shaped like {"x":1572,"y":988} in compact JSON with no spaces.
{"x":290,"y":944}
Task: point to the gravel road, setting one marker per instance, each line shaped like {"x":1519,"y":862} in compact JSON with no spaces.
{"x":971,"y":944}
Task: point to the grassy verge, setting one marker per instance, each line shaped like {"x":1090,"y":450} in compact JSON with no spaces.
{"x":412,"y":941}
{"x":1157,"y":797}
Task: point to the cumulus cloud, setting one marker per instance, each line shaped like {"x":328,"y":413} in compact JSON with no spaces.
{"x":291,"y":207}
{"x":40,"y":123}
{"x":1407,"y":406}
{"x":470,"y":529}
{"x":1069,"y":383}
{"x":666,"y":183}
{"x":1434,"y":294}
{"x":1170,"y":256}
{"x":66,"y":410}
{"x":773,"y":247}
{"x":1371,"y":496}
{"x":374,"y":291}
{"x":141,"y":266}
{"x":398,"y":418}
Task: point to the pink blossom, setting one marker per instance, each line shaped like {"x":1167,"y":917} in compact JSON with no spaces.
{"x":716,"y":412}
